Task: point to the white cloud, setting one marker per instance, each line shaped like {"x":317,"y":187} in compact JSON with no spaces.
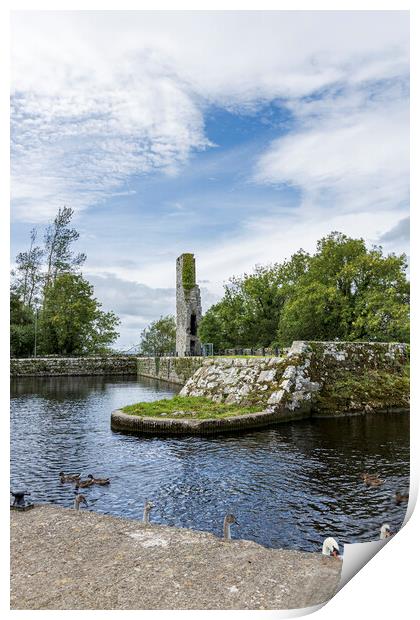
{"x":349,"y":159}
{"x":136,"y":304}
{"x":79,"y":145}
{"x":100,"y":96}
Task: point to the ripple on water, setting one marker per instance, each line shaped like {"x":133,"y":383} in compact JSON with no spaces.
{"x":289,"y":486}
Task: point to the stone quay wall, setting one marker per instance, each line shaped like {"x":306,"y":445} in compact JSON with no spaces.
{"x":73,"y":366}
{"x":173,"y":369}
{"x":294,"y":382}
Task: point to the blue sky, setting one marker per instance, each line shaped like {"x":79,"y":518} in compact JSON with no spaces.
{"x":238,"y":136}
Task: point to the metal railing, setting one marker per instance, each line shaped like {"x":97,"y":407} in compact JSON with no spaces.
{"x":249,"y":352}
{"x":239,"y":351}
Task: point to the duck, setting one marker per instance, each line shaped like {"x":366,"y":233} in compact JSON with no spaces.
{"x":228,"y":521}
{"x":330,"y":547}
{"x":146,"y":512}
{"x":400,"y":497}
{"x":79,"y":499}
{"x":101,"y":481}
{"x":83,"y":484}
{"x":68,"y":477}
{"x":371,"y":480}
{"x":385,"y":532}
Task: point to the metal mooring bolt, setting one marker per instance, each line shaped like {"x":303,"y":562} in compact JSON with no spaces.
{"x":19,"y":502}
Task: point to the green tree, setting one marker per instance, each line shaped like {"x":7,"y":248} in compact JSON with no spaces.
{"x":22,"y":327}
{"x":248,"y":315}
{"x":71,"y":319}
{"x":159,"y":337}
{"x":215,"y":328}
{"x":350,"y":293}
{"x":58,"y":239}
{"x":343,"y":291}
{"x":28,"y":273}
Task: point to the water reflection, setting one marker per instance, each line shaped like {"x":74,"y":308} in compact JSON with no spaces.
{"x":290,"y":486}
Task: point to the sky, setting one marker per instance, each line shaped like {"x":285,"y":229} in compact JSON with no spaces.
{"x":238,"y":136}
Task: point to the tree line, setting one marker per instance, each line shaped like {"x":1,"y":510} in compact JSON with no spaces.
{"x":52,"y":307}
{"x":343,"y":291}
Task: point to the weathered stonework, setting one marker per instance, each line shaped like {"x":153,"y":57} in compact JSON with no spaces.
{"x":147,"y":425}
{"x":301,"y":383}
{"x":73,"y":366}
{"x":295,"y":381}
{"x":173,"y":369}
{"x":188,"y":307}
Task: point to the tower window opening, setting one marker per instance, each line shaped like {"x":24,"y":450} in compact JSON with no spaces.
{"x":193,"y":325}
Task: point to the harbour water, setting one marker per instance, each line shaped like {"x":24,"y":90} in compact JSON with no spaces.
{"x":289,"y":486}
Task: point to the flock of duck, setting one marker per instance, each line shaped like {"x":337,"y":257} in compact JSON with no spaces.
{"x":330,"y":546}
{"x":75,"y":479}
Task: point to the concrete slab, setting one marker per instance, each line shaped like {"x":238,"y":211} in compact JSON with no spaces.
{"x":63,"y":559}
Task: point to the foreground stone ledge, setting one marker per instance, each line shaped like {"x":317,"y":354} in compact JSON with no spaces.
{"x":126,"y":422}
{"x":63,"y":559}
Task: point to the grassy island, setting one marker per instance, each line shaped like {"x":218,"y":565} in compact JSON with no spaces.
{"x":314,"y":379}
{"x":191,"y":407}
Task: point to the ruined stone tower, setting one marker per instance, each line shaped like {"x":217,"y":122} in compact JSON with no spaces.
{"x":188,"y":307}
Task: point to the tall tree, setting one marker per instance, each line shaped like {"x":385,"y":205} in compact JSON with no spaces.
{"x":159,"y":337}
{"x":350,"y":293}
{"x":58,"y":238}
{"x":71,"y":319}
{"x":28,"y":273}
{"x":343,"y":291}
{"x":249,"y":312}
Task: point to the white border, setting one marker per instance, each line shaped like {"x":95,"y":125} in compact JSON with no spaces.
{"x":387,"y":586}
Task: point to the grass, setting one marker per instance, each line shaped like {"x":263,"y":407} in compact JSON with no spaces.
{"x":191,"y":407}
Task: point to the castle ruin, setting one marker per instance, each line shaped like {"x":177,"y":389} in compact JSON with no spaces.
{"x":188,"y":307}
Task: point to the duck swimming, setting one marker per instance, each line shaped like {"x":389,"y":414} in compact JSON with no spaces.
{"x":330,"y":547}
{"x":399,"y":498}
{"x":68,"y":477}
{"x":83,"y":484}
{"x":101,"y":481}
{"x":371,"y":480}
{"x":229,"y":520}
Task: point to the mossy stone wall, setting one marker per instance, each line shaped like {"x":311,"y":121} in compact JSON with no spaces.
{"x":173,"y":369}
{"x":310,"y":376}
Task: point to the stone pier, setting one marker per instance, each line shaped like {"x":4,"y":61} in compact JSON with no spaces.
{"x":63,"y":559}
